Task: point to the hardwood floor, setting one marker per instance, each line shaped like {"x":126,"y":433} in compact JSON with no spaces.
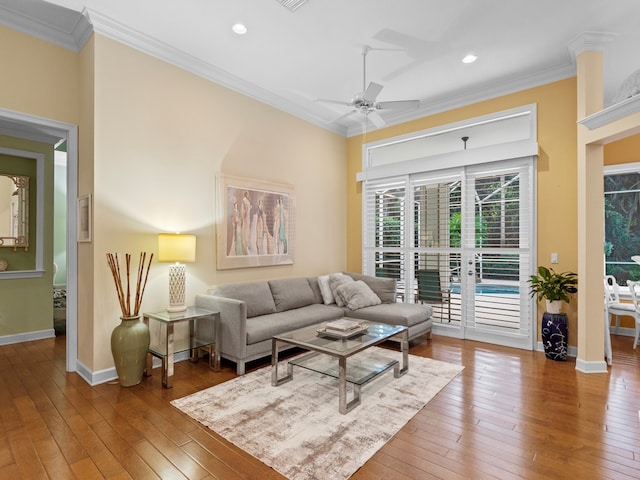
{"x":509,"y":414}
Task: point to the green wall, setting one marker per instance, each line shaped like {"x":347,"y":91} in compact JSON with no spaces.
{"x":26,"y":304}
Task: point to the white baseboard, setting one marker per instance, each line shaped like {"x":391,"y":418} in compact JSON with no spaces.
{"x":27,"y":337}
{"x":110,"y":374}
{"x":591,"y":367}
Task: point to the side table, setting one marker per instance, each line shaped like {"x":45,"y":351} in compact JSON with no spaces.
{"x":204,"y":332}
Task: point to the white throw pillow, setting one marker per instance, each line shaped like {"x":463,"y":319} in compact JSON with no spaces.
{"x":357,"y":295}
{"x":325,"y":289}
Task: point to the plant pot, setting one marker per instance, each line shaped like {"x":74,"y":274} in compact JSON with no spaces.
{"x":554,"y":335}
{"x":129,"y":347}
{"x":554,"y":306}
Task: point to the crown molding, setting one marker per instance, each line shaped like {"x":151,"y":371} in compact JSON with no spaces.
{"x":73,"y":37}
{"x":612,"y":113}
{"x":480,"y":93}
{"x":590,"y":41}
{"x":81,"y":25}
{"x":114,"y":30}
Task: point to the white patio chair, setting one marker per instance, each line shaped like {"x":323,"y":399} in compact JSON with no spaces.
{"x":611,"y":301}
{"x":634,"y":288}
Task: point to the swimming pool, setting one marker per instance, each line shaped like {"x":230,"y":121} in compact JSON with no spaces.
{"x":490,"y":289}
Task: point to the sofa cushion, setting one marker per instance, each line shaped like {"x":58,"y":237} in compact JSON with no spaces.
{"x":357,"y":295}
{"x":257,"y":296}
{"x":313,"y":283}
{"x":405,"y":314}
{"x":335,"y":280}
{"x":384,"y":288}
{"x":290,"y":293}
{"x":266,"y":326}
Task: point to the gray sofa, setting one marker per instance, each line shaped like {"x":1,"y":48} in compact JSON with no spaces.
{"x":251,"y":313}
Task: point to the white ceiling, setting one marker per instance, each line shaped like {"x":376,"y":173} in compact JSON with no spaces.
{"x":289,"y":59}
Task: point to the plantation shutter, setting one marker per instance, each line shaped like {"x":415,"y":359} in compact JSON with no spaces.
{"x":458,"y":240}
{"x":384,"y":229}
{"x":500,"y":232}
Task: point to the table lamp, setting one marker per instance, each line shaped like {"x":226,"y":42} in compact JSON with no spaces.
{"x":178,"y":248}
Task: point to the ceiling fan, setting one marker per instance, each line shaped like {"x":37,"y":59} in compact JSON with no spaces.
{"x":365,"y":103}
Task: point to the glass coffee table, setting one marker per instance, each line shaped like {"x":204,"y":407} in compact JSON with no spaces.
{"x":328,"y":355}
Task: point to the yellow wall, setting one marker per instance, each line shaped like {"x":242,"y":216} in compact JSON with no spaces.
{"x":161,"y":137}
{"x":152,"y":139}
{"x":622,"y":151}
{"x":556,"y":173}
{"x":38,"y":78}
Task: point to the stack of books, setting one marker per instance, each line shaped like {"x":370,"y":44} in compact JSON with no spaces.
{"x":343,"y":326}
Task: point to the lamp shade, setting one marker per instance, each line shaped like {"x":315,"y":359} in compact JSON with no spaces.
{"x":176,"y":247}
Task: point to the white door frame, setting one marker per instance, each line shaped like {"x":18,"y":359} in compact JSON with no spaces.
{"x":23,"y":124}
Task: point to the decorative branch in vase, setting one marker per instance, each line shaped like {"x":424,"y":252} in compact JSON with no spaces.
{"x":125,"y":300}
{"x":130,"y":339}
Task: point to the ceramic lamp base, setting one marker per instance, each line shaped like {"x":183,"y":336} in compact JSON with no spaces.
{"x":177,"y":287}
{"x":176,"y":308}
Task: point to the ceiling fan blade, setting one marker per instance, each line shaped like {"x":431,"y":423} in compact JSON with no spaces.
{"x":337,"y":102}
{"x":372,"y":91}
{"x":342,"y":117}
{"x":376,"y":119}
{"x":398,"y":105}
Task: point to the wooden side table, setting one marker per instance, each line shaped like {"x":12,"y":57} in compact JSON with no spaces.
{"x":204,"y":332}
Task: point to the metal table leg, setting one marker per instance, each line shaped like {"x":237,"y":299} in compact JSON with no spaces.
{"x":275,"y":381}
{"x":167,"y":363}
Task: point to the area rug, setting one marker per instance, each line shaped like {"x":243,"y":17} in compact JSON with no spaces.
{"x":296,"y":428}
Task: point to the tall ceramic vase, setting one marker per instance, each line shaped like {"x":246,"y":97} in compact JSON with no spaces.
{"x":555,"y":331}
{"x":129,"y":347}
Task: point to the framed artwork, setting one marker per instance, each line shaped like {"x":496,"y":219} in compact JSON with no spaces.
{"x":84,"y":220}
{"x":256,"y":223}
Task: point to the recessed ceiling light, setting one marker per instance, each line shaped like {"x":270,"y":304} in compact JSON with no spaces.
{"x":470,"y":58}
{"x":239,"y":28}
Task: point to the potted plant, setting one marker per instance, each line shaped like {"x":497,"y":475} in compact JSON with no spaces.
{"x":553,"y":287}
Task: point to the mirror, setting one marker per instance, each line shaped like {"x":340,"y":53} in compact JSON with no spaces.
{"x":14,"y":211}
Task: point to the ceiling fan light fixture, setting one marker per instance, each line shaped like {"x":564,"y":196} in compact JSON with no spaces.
{"x":470,"y":58}
{"x":239,"y":28}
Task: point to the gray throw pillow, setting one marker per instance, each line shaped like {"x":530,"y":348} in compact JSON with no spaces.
{"x":290,"y":293}
{"x":257,"y":296}
{"x":384,"y":288}
{"x":357,"y":295}
{"x":335,"y":280}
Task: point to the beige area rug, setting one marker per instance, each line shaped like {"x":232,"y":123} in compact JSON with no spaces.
{"x":296,"y":428}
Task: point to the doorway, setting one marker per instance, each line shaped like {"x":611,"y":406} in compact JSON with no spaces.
{"x":469,"y":230}
{"x":26,"y":126}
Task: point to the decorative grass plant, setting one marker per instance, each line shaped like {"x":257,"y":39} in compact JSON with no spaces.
{"x":124,"y":298}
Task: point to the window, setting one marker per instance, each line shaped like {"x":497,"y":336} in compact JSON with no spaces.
{"x":621,"y":225}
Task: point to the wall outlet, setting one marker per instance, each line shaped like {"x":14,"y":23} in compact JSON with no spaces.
{"x":554,"y":258}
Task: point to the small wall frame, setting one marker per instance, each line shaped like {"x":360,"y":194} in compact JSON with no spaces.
{"x":85,"y":220}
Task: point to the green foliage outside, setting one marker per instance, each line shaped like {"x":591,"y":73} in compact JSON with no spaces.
{"x":622,"y":229}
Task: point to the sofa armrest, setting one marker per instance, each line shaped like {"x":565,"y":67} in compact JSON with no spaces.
{"x":233,"y":323}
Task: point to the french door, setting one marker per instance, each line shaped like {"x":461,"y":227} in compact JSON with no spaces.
{"x":460,"y":240}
